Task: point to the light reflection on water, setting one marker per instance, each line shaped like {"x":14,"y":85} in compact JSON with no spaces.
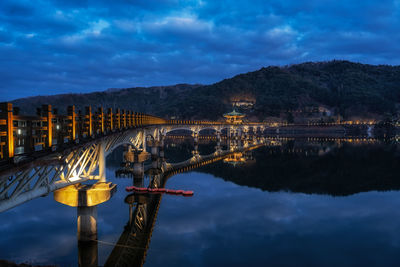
{"x":225,"y":223}
{"x":234,"y":225}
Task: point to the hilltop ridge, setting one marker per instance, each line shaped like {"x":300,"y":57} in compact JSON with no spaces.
{"x":327,"y":89}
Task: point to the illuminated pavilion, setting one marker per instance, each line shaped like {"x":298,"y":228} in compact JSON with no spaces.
{"x":234,"y":117}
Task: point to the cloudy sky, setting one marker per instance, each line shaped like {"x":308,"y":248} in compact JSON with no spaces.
{"x":62,"y":46}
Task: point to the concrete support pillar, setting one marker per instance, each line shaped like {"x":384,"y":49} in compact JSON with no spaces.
{"x":218,"y":136}
{"x":162,"y":138}
{"x":87,"y":236}
{"x":195,"y":152}
{"x":102,"y":163}
{"x":162,"y":152}
{"x":86,"y":198}
{"x":138,"y":167}
{"x":218,"y":148}
{"x":154,"y":151}
{"x":138,"y":179}
{"x":87,"y":223}
{"x":161,"y":145}
{"x":195,"y":137}
{"x":155,"y":163}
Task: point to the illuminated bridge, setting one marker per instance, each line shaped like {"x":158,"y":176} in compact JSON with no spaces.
{"x":48,"y":151}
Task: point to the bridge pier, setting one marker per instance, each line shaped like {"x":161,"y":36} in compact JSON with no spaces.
{"x":161,"y":145}
{"x":87,"y":223}
{"x":139,"y":157}
{"x":156,"y":147}
{"x":161,"y":153}
{"x":138,"y":179}
{"x":218,"y":148}
{"x":195,"y":136}
{"x":86,"y":198}
{"x":218,"y":136}
{"x":156,"y":163}
{"x":138,"y":163}
{"x":195,"y":152}
{"x":154,"y":151}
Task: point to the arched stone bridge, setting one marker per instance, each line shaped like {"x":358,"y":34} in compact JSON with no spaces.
{"x":40,"y":154}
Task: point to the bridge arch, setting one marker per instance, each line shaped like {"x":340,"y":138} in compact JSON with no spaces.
{"x":215,"y":129}
{"x":135,"y":138}
{"x":179,"y":129}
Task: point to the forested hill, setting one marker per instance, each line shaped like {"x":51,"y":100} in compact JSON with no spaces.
{"x":350,"y":89}
{"x":343,"y":87}
{"x":151,"y":100}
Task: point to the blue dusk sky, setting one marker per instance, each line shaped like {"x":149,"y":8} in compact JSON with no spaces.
{"x":79,"y":46}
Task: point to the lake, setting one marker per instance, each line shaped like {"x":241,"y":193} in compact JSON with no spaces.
{"x":293,"y":202}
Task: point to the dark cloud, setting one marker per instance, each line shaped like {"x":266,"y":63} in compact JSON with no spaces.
{"x":49,"y":47}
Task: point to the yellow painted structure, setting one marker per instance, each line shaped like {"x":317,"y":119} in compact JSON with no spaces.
{"x":80,"y":195}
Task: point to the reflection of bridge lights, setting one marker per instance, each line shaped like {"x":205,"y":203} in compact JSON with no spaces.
{"x":235,"y":158}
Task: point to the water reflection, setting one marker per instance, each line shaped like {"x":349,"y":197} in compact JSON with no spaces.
{"x":227,"y":222}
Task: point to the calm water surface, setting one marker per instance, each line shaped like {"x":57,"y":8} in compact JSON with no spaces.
{"x":298,"y":204}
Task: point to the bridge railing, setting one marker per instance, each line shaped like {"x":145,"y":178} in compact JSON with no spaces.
{"x":48,"y":130}
{"x":194,"y":122}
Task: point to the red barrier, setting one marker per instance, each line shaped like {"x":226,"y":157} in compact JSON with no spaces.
{"x":159,"y":191}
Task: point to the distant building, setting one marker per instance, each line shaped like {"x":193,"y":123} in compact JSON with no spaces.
{"x":243,"y":103}
{"x":234,"y":117}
